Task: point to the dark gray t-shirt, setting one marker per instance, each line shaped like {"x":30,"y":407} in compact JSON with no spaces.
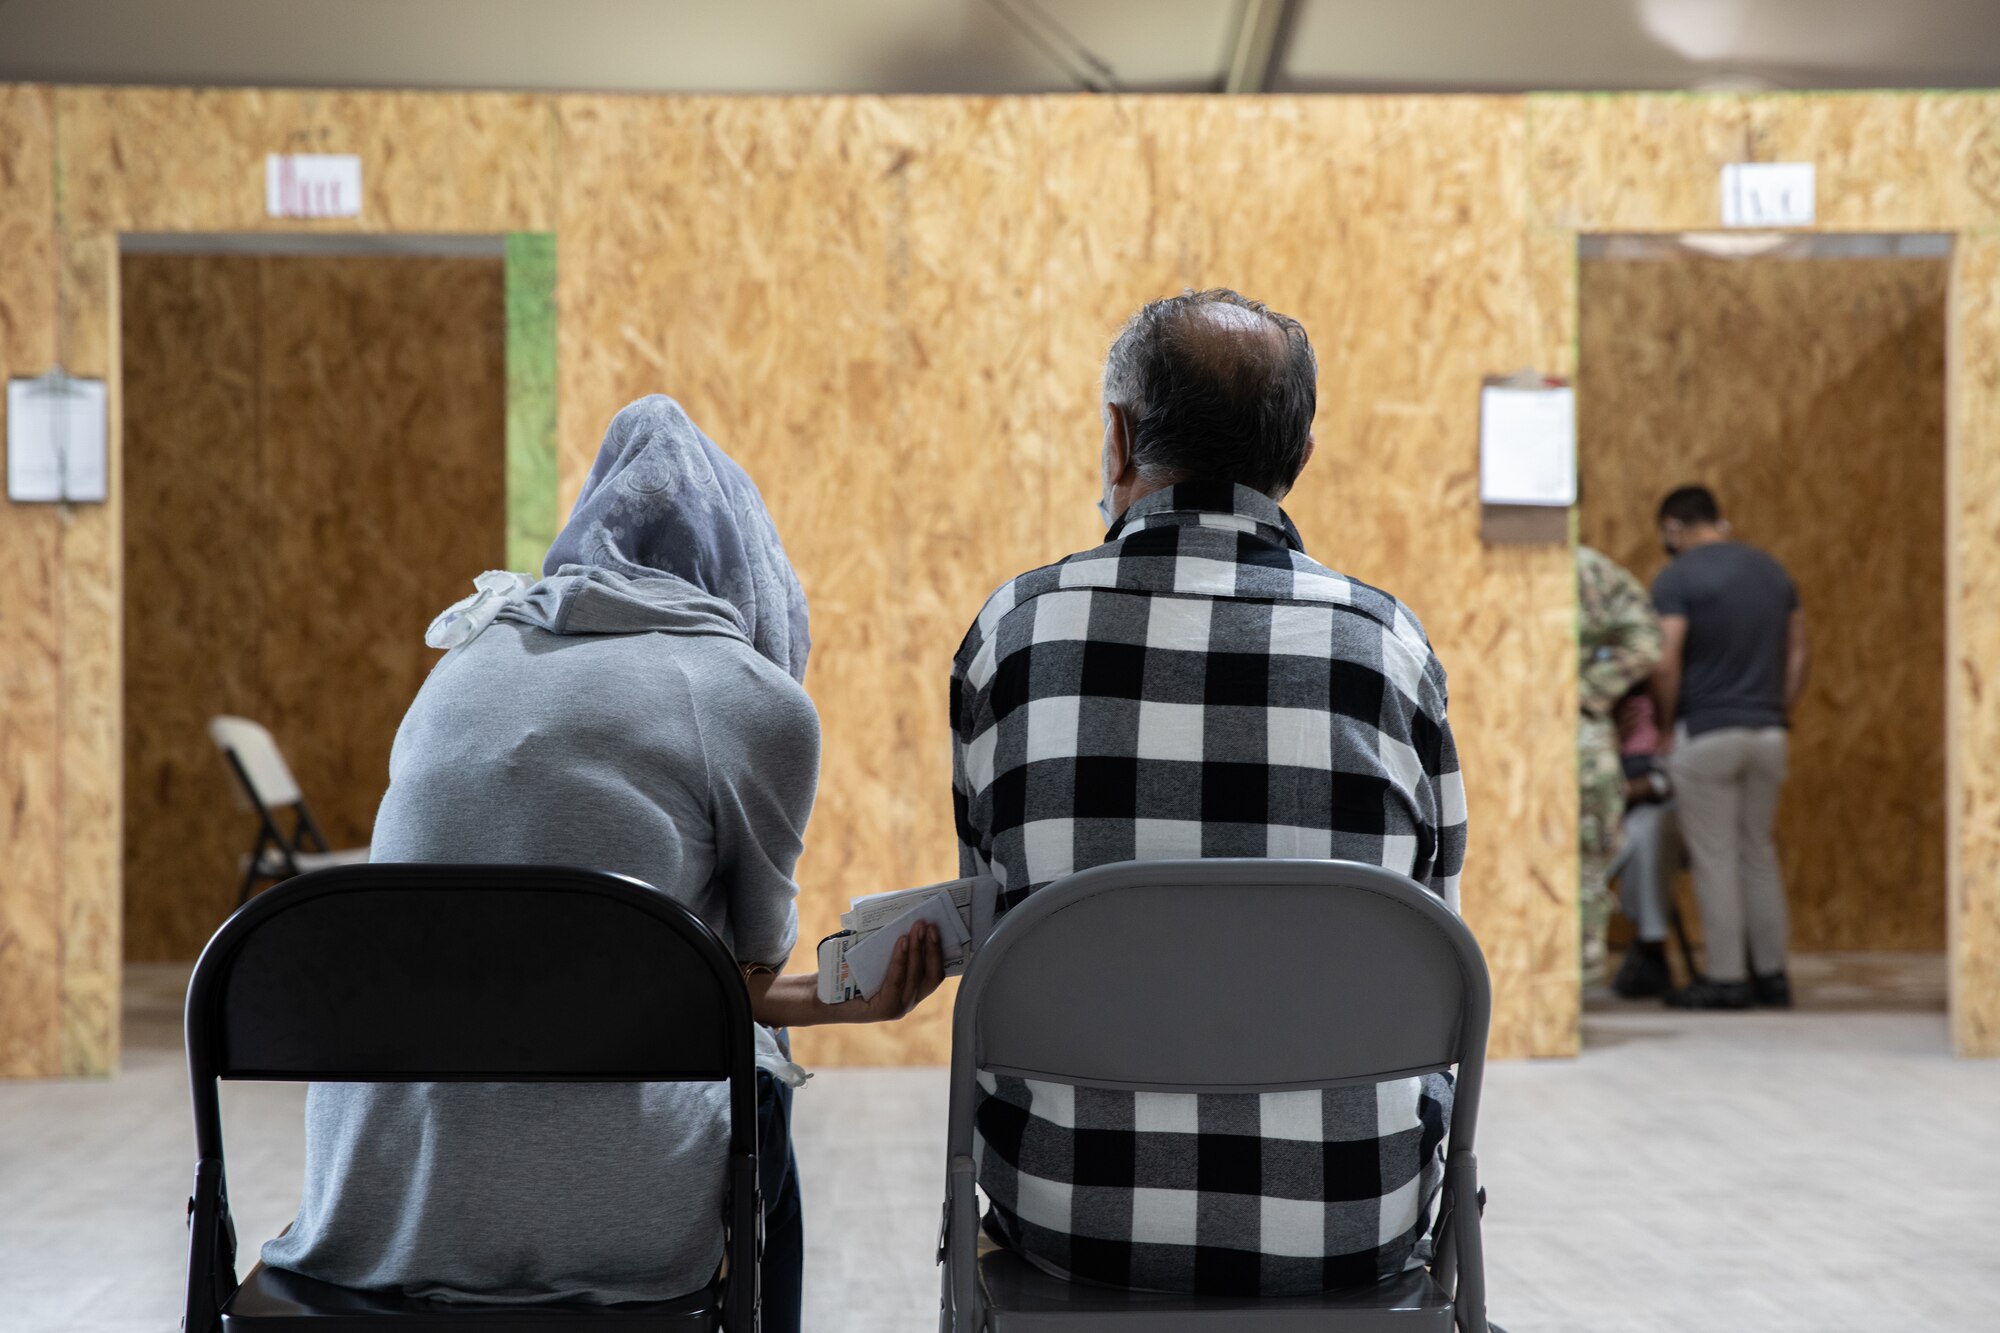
{"x":1738,"y":602}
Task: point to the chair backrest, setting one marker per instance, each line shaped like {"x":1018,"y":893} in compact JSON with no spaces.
{"x":391,"y":973}
{"x":258,"y":760}
{"x":405,"y":973}
{"x":1227,"y":975}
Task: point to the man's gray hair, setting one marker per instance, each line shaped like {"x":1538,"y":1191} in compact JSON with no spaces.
{"x":1216,"y":387}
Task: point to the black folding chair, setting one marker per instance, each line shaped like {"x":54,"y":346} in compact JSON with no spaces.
{"x":265,"y":783}
{"x":418,"y":973}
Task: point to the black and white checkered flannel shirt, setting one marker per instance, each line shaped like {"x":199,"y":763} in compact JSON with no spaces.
{"x":1197,"y":686}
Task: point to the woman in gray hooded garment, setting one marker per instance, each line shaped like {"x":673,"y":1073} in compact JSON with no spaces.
{"x":637,"y":710}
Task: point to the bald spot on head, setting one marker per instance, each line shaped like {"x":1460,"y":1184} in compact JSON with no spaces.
{"x":1228,"y":345}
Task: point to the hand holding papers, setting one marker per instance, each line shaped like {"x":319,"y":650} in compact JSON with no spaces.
{"x":853,"y":963}
{"x":868,"y":959}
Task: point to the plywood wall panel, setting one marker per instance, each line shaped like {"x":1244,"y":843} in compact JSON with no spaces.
{"x":92,"y":775}
{"x":316,"y":467}
{"x":966,"y":265}
{"x":1810,"y":396}
{"x":691,"y":286}
{"x":384,"y":454}
{"x":1973,"y":707}
{"x":972,"y":353}
{"x":197,"y":519}
{"x":179,"y":159}
{"x":1653,"y":162}
{"x":162,"y":159}
{"x":30,"y":645}
{"x":1395,"y":230}
{"x":1555,"y":987}
{"x":743,"y":253}
{"x":842,"y":293}
{"x":1552,"y":282}
{"x":165,"y":160}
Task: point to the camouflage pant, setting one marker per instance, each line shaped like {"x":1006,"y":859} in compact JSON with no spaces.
{"x":1601,"y":786}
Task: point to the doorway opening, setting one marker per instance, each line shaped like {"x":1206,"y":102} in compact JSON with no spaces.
{"x":1802,"y":379}
{"x":315,"y":463}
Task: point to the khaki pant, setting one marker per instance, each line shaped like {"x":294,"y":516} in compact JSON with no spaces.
{"x":1726,"y":785}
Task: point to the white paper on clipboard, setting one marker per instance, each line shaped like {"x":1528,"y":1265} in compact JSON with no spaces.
{"x":1527,"y":444}
{"x":56,"y":438}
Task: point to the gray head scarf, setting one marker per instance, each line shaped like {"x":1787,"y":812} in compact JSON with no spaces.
{"x":663,"y":498}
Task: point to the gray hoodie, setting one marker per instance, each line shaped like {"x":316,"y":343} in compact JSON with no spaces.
{"x":620,"y":723}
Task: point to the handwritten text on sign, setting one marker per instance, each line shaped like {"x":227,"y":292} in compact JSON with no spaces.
{"x":312,"y":185}
{"x":1768,"y":194}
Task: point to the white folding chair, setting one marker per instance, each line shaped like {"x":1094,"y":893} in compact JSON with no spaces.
{"x":266,"y":783}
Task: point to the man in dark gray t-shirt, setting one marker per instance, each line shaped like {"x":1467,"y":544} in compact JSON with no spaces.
{"x":1737,"y":602}
{"x":1733,"y":663}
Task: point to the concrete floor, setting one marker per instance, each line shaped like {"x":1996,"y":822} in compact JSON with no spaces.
{"x":1827,"y":1169}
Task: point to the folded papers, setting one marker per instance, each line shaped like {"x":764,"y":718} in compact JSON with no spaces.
{"x":854,"y":963}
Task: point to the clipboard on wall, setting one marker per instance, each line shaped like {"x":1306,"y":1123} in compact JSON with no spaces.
{"x":56,"y":439}
{"x":1527,"y":458}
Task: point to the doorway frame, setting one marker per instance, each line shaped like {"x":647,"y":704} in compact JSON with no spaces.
{"x":103,"y":162}
{"x":1887,"y":164}
{"x":525,"y":318}
{"x":1804,"y":246}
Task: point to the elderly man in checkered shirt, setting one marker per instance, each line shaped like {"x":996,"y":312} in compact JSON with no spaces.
{"x":1197,"y":686}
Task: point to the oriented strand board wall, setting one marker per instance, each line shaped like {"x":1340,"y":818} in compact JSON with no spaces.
{"x":59,"y":930}
{"x":844,"y":294}
{"x":87,"y":638}
{"x":155,"y":160}
{"x":1395,"y":229}
{"x":893,"y":312}
{"x":314,"y":467}
{"x":31,"y":998}
{"x":1886,"y":162}
{"x":1647,"y":162}
{"x":1809,"y":394}
{"x":879,"y":277}
{"x":1972,"y":716}
{"x":192,"y":159}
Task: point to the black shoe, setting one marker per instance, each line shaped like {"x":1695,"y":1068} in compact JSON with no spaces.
{"x":1711,"y":995}
{"x":1773,"y":990}
{"x":1644,"y":973}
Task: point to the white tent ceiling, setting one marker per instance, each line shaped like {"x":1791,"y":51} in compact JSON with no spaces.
{"x":1001,"y":45}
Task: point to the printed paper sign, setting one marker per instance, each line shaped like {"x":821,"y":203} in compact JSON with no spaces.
{"x":1768,"y":194}
{"x":312,"y":185}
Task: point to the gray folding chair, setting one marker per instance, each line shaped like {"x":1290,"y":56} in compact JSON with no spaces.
{"x":1221,"y":976}
{"x":265,"y":783}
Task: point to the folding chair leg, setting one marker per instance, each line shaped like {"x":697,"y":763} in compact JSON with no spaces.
{"x":211,"y":1271}
{"x":250,"y":878}
{"x":1468,"y":1248}
{"x":958,"y":1252}
{"x":743,"y":1296}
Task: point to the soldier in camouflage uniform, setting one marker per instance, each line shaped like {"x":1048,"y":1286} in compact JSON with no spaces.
{"x":1618,"y":638}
